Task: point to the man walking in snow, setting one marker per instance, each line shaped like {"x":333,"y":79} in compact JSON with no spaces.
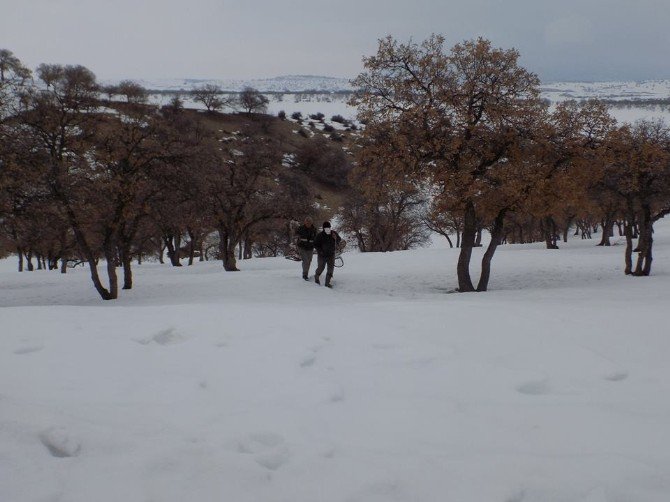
{"x":306,"y":234}
{"x":326,"y":244}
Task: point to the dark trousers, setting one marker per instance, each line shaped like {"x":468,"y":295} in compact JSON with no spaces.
{"x":322,"y":261}
{"x":306,"y":256}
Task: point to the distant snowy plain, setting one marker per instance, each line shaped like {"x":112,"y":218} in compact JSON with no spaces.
{"x":257,"y":386}
{"x":312,"y":94}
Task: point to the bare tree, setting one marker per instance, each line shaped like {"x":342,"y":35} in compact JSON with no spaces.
{"x":253,"y":101}
{"x":210,"y":96}
{"x":132,"y":91}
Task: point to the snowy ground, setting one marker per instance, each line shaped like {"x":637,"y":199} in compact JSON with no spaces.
{"x":256,"y":386}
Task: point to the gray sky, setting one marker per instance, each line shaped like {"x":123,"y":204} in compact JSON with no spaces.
{"x":558,"y":39}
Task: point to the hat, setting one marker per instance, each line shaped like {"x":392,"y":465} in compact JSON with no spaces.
{"x":326,"y":224}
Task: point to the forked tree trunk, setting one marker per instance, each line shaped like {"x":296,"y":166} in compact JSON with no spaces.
{"x":496,"y":237}
{"x":644,"y":257}
{"x":172,"y":243}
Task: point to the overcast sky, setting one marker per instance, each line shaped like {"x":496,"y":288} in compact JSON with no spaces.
{"x":558,"y":39}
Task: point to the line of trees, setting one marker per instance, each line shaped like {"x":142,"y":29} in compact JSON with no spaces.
{"x":459,"y":141}
{"x":102,"y":182}
{"x":456,"y":142}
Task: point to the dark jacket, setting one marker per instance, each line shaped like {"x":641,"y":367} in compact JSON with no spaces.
{"x":306,"y":236}
{"x":325,"y":244}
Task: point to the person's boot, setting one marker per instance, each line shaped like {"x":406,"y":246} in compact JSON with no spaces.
{"x":305,"y":277}
{"x":316,"y":279}
{"x":328,"y":284}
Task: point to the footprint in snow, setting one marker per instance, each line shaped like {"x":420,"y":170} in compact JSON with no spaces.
{"x":308,"y":361}
{"x":269,"y":449}
{"x":517,"y":497}
{"x":617,"y":376}
{"x":337,"y":396}
{"x":168,"y":336}
{"x":534,"y":388}
{"x":60,"y":443}
{"x":28,"y":349}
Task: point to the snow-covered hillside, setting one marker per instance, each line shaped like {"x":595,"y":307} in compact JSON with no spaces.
{"x":256,"y":386}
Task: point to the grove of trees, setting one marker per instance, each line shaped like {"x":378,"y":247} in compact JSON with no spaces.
{"x":103,"y":183}
{"x":455,"y":141}
{"x":464,"y":132}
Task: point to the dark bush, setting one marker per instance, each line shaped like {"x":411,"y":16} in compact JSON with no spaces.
{"x":338,"y":118}
{"x":282,"y":115}
{"x":324,"y":161}
{"x":296,"y":116}
{"x":328,"y":128}
{"x":317,"y":116}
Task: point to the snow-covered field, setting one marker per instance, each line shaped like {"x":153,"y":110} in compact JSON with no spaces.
{"x":256,"y":386}
{"x":299,"y":94}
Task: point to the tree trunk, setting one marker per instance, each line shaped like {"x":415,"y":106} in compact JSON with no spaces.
{"x":618,"y":224}
{"x":478,"y":238}
{"x":644,"y":257}
{"x":496,"y":236}
{"x":227,"y":251}
{"x":467,"y":243}
{"x":191,"y":247}
{"x":608,"y":228}
{"x":126,"y":263}
{"x":247,"y":249}
{"x":29,"y":261}
{"x":172,"y":243}
{"x":568,"y":224}
{"x":19,"y":252}
{"x":628,"y":256}
{"x":549,"y":228}
{"x":63,"y":265}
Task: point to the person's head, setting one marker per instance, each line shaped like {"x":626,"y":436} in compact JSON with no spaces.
{"x":326,"y":227}
{"x":308,"y":221}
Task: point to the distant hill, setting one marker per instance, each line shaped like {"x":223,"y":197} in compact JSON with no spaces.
{"x":286,"y":83}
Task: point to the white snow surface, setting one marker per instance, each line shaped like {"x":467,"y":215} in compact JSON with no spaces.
{"x":257,"y":386}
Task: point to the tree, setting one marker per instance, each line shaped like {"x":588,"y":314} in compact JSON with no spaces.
{"x":385,"y":208}
{"x":638,"y":171}
{"x":460,"y":122}
{"x":132,"y":91}
{"x":252,"y":101}
{"x":62,"y":120}
{"x":210,"y":96}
